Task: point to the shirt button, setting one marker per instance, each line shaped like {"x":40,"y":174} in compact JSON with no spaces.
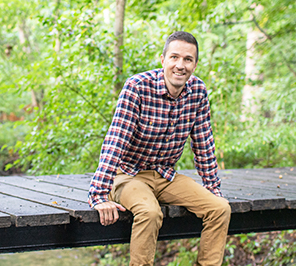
{"x":167,"y":140}
{"x":161,"y":154}
{"x":150,"y":123}
{"x":172,"y":124}
{"x":188,"y":120}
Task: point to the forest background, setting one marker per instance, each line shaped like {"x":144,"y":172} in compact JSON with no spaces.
{"x":63,"y":63}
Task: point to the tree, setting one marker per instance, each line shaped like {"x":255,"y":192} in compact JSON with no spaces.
{"x":72,"y":63}
{"x":118,"y":54}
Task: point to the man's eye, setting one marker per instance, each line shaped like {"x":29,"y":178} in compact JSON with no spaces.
{"x":174,"y":57}
{"x":188,"y":59}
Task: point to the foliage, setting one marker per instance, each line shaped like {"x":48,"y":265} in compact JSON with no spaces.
{"x":61,"y":52}
{"x":270,"y":249}
{"x":66,"y":60}
{"x":8,"y":137}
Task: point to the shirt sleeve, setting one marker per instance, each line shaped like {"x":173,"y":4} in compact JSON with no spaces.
{"x":203,"y":147}
{"x":117,"y":138}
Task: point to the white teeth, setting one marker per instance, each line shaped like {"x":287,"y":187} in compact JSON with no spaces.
{"x":179,"y":74}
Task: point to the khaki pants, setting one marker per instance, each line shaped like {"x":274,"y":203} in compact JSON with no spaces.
{"x":141,"y":195}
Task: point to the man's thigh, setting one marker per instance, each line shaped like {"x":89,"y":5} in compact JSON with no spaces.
{"x":134,"y":193}
{"x":184,"y":191}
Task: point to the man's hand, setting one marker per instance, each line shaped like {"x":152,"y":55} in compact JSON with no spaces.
{"x":108,"y":212}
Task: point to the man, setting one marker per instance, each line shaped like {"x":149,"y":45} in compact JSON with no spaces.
{"x":156,"y":112}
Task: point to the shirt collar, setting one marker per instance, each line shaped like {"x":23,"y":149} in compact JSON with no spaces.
{"x":162,"y":90}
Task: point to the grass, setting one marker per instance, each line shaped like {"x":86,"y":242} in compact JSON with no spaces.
{"x":58,"y":257}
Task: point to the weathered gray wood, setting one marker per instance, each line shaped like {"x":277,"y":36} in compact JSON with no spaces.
{"x":274,"y":187}
{"x":273,"y":199}
{"x":5,"y":220}
{"x":52,"y":189}
{"x":286,"y":182}
{"x":26,"y":213}
{"x":73,"y":181}
{"x":291,"y":171}
{"x":291,"y":203}
{"x":259,"y":199}
{"x":245,"y":189}
{"x":268,"y":179}
{"x":77,"y":209}
{"x":238,"y":205}
{"x":274,"y":184}
{"x":176,"y":211}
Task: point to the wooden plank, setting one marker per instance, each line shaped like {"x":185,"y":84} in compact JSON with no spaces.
{"x":5,"y":220}
{"x":258,"y":198}
{"x":73,"y":181}
{"x":291,"y":171}
{"x":26,"y":213}
{"x":249,"y":174}
{"x":291,"y":203}
{"x":276,"y":186}
{"x":52,"y":189}
{"x":83,"y":181}
{"x":77,"y":209}
{"x":245,"y":179}
{"x":58,"y":185}
{"x":238,"y":205}
{"x":284,"y":187}
{"x":266,"y":195}
{"x":245,"y":176}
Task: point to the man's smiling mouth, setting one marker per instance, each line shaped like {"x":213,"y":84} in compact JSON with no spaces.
{"x":179,"y":74}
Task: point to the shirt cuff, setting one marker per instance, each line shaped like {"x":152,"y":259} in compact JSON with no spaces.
{"x":217,"y":192}
{"x":97,"y":199}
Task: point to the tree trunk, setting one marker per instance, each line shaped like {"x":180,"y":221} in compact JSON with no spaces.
{"x":250,"y":91}
{"x":118,"y":54}
{"x":24,"y":39}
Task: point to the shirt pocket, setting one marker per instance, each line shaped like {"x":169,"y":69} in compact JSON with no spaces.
{"x":152,"y":128}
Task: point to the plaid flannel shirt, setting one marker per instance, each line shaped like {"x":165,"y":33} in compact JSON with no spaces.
{"x":149,"y":131}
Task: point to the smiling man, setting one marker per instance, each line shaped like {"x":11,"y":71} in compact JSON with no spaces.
{"x":156,"y":112}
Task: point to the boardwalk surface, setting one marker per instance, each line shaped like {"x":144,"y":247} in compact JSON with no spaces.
{"x":38,"y":212}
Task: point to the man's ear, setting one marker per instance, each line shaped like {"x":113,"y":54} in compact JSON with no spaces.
{"x":195,"y":66}
{"x":162,"y":59}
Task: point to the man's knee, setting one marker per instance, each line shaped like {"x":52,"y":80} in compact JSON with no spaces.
{"x":223,"y":209}
{"x":150,"y":215}
{"x":219,"y":210}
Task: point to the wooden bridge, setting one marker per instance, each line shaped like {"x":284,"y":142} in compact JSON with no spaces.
{"x":43,"y":212}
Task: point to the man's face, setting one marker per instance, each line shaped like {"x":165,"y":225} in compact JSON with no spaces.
{"x":178,"y":64}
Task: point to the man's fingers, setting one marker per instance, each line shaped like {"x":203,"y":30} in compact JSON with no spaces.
{"x":119,"y":207}
{"x":102,"y":217}
{"x":108,"y":212}
{"x":115,"y":215}
{"x":109,"y":219}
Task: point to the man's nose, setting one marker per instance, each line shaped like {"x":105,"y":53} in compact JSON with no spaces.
{"x":180,"y":63}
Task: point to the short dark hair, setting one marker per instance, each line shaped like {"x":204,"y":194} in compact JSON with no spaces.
{"x":181,"y":36}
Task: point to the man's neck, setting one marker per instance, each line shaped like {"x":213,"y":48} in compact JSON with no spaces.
{"x":174,"y":92}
